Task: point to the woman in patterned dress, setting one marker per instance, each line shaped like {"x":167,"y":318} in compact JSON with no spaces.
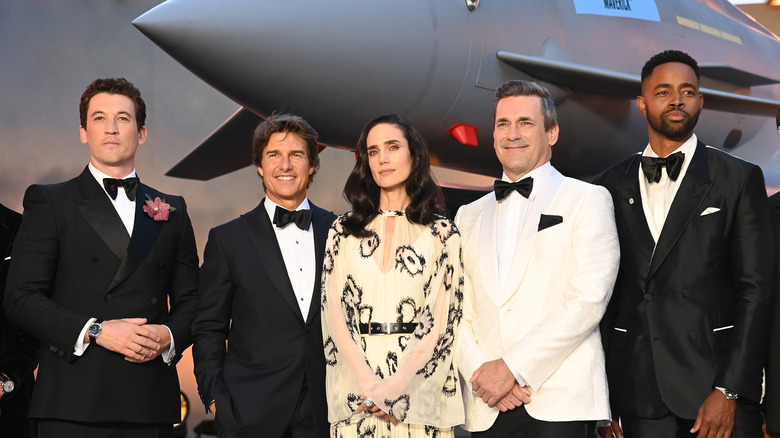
{"x":392,"y":295}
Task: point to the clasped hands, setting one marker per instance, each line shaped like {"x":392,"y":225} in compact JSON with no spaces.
{"x":495,"y":384}
{"x":370,"y":406}
{"x":138,"y":341}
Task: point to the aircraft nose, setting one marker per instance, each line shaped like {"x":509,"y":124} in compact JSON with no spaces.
{"x":270,"y":54}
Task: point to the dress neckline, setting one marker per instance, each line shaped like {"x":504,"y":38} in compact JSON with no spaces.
{"x":391,"y":212}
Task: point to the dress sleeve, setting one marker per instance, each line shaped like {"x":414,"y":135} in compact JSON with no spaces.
{"x":347,"y":364}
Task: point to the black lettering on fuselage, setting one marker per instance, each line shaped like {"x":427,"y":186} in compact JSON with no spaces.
{"x":621,"y":5}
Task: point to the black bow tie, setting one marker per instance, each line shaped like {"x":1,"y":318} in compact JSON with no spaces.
{"x":283,"y":217}
{"x":652,"y":166}
{"x":130,"y":185}
{"x":504,"y":189}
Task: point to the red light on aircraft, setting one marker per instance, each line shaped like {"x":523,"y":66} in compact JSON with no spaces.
{"x":466,"y":134}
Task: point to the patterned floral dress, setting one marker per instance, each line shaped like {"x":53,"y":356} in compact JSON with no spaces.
{"x":405,"y":273}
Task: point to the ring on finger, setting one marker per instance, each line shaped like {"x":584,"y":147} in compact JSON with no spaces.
{"x":368,"y":402}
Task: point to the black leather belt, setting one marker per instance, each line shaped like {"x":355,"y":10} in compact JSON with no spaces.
{"x":386,"y":328}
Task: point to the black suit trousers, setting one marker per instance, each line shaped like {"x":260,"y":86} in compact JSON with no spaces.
{"x":517,"y":423}
{"x":747,"y":424}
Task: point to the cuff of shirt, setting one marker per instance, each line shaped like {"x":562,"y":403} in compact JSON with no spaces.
{"x":80,"y":347}
{"x":520,"y":380}
{"x":167,"y":356}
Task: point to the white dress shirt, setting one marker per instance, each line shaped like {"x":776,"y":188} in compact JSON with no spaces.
{"x":657,"y":197}
{"x":125,"y":208}
{"x":297,"y":247}
{"x":510,"y":219}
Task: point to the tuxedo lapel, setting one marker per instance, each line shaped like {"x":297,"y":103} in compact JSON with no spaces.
{"x":628,"y":204}
{"x":694,"y":187}
{"x":96,"y":209}
{"x":263,"y":238}
{"x":145,"y":233}
{"x":488,"y":252}
{"x":320,"y":225}
{"x":526,"y":239}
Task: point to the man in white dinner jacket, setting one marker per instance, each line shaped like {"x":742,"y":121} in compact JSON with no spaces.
{"x":541,"y":256}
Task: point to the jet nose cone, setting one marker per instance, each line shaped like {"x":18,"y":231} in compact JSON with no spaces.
{"x":308,"y":54}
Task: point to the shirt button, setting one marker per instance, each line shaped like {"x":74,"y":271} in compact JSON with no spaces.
{"x":641,"y":339}
{"x":648,"y":297}
{"x":693,"y":336}
{"x":109,"y":297}
{"x":154,"y":300}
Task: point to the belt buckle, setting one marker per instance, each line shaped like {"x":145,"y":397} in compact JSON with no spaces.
{"x":381,"y":328}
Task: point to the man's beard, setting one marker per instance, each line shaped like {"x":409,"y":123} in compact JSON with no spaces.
{"x":673,"y":130}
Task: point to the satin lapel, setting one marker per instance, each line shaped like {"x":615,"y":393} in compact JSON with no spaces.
{"x":145,"y":233}
{"x":488,"y":253}
{"x":261,"y":234}
{"x":321,"y":227}
{"x":628,"y":205}
{"x":96,"y":209}
{"x":526,"y":239}
{"x":686,"y":203}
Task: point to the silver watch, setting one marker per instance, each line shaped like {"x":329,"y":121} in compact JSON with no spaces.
{"x":7,"y":384}
{"x":729,"y":394}
{"x":94,"y":330}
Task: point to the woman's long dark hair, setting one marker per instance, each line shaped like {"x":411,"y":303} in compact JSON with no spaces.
{"x":362,"y":192}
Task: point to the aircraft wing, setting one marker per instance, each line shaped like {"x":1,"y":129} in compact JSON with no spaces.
{"x":614,"y":83}
{"x":217,"y":154}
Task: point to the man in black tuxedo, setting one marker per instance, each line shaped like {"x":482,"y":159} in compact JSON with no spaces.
{"x":772,"y":397}
{"x":106,"y":282}
{"x":260,"y":291}
{"x":686,"y":329}
{"x":18,"y":357}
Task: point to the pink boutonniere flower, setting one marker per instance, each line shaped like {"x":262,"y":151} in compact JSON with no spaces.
{"x":158,"y":209}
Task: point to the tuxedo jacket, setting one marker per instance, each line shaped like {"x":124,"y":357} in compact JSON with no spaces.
{"x":562,"y":275}
{"x":74,"y":260}
{"x":247,"y":299}
{"x":18,"y":350}
{"x":691,"y":312}
{"x":772,"y":397}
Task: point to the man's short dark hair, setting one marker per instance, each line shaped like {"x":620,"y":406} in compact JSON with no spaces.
{"x":286,"y":123}
{"x":526,"y":88}
{"x":669,"y":56}
{"x":113,"y":86}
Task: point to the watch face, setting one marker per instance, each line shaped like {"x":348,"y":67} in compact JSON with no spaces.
{"x":8,"y":385}
{"x":95,"y":329}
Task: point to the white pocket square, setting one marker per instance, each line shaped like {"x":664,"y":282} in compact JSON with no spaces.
{"x":709,"y":210}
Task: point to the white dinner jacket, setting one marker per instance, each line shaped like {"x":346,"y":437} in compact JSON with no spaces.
{"x":558,"y":289}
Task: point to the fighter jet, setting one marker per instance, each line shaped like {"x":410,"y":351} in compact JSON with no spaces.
{"x":340,"y":63}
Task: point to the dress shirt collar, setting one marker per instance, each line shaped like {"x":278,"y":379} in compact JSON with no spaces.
{"x":98,"y":175}
{"x":270,"y":206}
{"x":687,"y":148}
{"x":539,"y":174}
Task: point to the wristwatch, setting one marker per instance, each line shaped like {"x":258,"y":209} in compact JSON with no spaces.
{"x":7,"y":384}
{"x":730,"y":395}
{"x":94,"y":330}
